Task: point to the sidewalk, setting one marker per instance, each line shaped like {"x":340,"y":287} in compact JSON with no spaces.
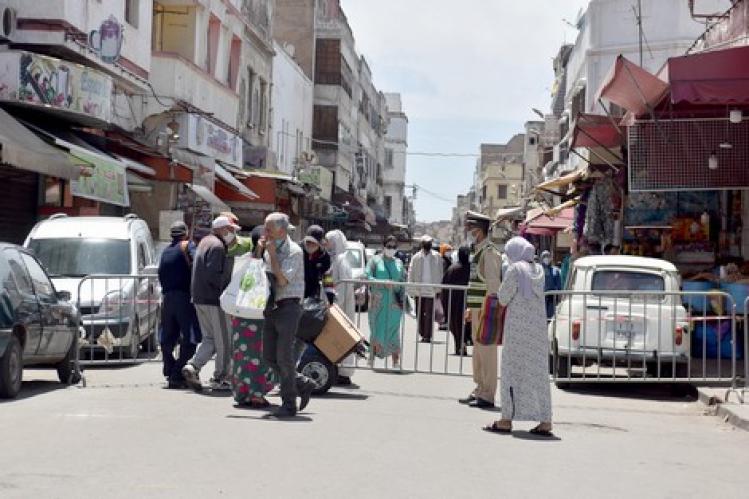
{"x":731,"y":411}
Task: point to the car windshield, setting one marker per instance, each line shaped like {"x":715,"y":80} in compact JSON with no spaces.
{"x":616,"y":280}
{"x":355,"y":258}
{"x":77,"y":257}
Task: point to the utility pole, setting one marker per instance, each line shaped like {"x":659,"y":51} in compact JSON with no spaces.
{"x":639,"y":26}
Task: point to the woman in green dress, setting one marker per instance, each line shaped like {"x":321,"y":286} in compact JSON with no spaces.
{"x":386,"y":304}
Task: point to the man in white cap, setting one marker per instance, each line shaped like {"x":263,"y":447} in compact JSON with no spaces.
{"x":426,"y":268}
{"x":210,"y":276}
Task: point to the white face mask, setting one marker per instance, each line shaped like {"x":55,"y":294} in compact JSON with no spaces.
{"x":389,"y":252}
{"x":471,"y":239}
{"x":230,"y":238}
{"x":546,"y":261}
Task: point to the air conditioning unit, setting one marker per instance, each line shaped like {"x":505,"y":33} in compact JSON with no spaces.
{"x":9,"y":19}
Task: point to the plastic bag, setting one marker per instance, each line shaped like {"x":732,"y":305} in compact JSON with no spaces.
{"x":313,"y":319}
{"x":247,"y":293}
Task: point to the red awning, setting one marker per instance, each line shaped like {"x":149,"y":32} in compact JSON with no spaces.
{"x":545,"y":225}
{"x":719,"y":77}
{"x":592,"y":130}
{"x":632,"y":88}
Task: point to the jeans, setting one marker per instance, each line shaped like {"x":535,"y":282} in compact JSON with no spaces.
{"x":281,"y":349}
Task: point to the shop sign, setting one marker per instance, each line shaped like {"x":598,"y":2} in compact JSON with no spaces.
{"x":205,"y":137}
{"x":53,"y":83}
{"x":320,"y":177}
{"x":107,"y":40}
{"x":107,"y":183}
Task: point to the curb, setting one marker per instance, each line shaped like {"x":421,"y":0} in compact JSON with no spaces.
{"x":725,"y":411}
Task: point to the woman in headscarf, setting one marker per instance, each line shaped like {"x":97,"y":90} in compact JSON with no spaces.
{"x":386,"y":304}
{"x":525,"y":390}
{"x":458,"y":274}
{"x":340,"y":292}
{"x":252,"y":376}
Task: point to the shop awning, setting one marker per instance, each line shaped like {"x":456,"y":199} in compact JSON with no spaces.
{"x":235,"y":184}
{"x":217,"y":206}
{"x":136,"y":183}
{"x":632,"y":88}
{"x":513,"y":212}
{"x":555,"y":185}
{"x":267,"y":174}
{"x":194,"y":161}
{"x":718,"y":77}
{"x":543,"y":224}
{"x":23,"y":149}
{"x":136,"y":166}
{"x":592,"y":130}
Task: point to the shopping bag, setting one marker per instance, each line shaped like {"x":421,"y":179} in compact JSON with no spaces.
{"x":247,"y":293}
{"x":439,"y":312}
{"x":491,"y":322}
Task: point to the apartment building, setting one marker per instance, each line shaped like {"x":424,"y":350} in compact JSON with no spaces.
{"x":500,"y":174}
{"x":394,"y":170}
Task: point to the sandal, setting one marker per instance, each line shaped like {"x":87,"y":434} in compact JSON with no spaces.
{"x":541,"y":433}
{"x":259,"y":403}
{"x":494,"y":428}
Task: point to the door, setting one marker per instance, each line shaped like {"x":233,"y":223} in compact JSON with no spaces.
{"x":28,"y":312}
{"x":56,"y":331}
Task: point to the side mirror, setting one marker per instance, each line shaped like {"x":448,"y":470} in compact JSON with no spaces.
{"x":150,"y":271}
{"x":64,"y":296}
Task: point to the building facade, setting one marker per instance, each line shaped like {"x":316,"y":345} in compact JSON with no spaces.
{"x":501,"y":175}
{"x":395,"y":162}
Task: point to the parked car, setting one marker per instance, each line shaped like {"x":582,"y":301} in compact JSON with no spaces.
{"x":357,"y":258}
{"x":38,"y":324}
{"x":117,"y":312}
{"x":624,"y":329}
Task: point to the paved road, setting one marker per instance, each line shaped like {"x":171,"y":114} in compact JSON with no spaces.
{"x":396,"y":436}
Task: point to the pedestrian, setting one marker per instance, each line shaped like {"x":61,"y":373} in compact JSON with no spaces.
{"x":341,"y":293}
{"x":486,"y":276}
{"x":241,"y":245}
{"x":211,"y":275}
{"x":459,"y":274}
{"x":525,"y":390}
{"x":426,"y":268}
{"x":285,"y":262}
{"x":252,"y":377}
{"x":179,"y":320}
{"x":316,"y":261}
{"x":446,"y":253}
{"x":552,"y":282}
{"x":386,"y":304}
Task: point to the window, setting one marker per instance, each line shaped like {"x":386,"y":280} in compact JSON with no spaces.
{"x":54,"y":192}
{"x":42,"y":285}
{"x":76,"y":257}
{"x":325,"y":126}
{"x":502,"y":191}
{"x":483,"y":193}
{"x":389,"y":158}
{"x":251,"y":95}
{"x":13,"y":275}
{"x":388,"y":206}
{"x":131,"y":12}
{"x":263,"y":106}
{"x":234,"y":57}
{"x":617,"y":280}
{"x":532,"y":140}
{"x":328,"y":62}
{"x":214,"y":32}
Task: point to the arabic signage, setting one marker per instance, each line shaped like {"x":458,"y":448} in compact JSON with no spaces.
{"x":45,"y":81}
{"x":107,"y":183}
{"x":205,"y":137}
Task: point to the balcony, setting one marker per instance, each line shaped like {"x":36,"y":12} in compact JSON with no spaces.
{"x":177,"y":78}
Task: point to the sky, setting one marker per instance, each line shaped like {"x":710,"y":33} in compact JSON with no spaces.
{"x":469,"y":72}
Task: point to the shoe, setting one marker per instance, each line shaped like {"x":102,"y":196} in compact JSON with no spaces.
{"x":343,"y":381}
{"x":468,"y":400}
{"x":192,"y":378}
{"x":396,"y":366}
{"x":425,"y":340}
{"x":220,"y":386}
{"x":305,"y":394}
{"x":178,"y":384}
{"x":285,"y":412}
{"x":482,"y":404}
{"x":462,"y":353}
{"x":443,"y":327}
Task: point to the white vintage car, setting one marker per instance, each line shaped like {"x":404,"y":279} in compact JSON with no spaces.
{"x":616,"y":312}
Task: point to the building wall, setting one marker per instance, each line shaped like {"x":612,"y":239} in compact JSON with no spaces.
{"x":294,"y":24}
{"x":394,"y":164}
{"x":292,"y":104}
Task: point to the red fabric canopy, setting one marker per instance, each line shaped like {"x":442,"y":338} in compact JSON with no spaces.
{"x":632,"y":88}
{"x":719,"y":77}
{"x":592,"y":130}
{"x":544,"y":225}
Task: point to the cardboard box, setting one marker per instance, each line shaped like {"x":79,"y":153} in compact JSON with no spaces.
{"x":339,"y":336}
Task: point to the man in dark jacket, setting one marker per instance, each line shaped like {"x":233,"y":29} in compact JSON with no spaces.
{"x":316,"y":261}
{"x":210,"y":277}
{"x":178,"y":321}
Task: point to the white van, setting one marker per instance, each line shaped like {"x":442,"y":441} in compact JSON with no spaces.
{"x":116,"y":312}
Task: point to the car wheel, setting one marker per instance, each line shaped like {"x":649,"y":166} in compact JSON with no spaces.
{"x":11,"y":369}
{"x":562,"y":367}
{"x":66,"y":371}
{"x":320,"y":370}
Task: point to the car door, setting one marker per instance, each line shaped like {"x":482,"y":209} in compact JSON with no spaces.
{"x":28,"y":311}
{"x":55,"y":315}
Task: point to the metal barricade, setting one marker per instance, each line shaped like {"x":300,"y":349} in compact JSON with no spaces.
{"x":120,"y":318}
{"x":644,"y":336}
{"x":392,"y":313}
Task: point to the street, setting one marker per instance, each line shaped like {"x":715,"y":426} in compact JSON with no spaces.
{"x":399,"y":435}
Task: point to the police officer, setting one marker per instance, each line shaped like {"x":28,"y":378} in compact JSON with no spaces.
{"x":179,"y":320}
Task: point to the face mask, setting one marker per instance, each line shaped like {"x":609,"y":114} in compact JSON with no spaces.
{"x":279,"y":242}
{"x":389,"y":252}
{"x":230,"y":238}
{"x":427,"y":247}
{"x":471,"y":239}
{"x":546,"y":261}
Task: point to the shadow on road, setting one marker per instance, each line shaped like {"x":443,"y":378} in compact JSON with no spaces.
{"x":650,"y":391}
{"x":31,"y":389}
{"x":270,"y":417}
{"x":343,"y":396}
{"x":526,"y":435}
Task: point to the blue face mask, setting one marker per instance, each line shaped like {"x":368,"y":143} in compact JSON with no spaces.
{"x":279,"y":242}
